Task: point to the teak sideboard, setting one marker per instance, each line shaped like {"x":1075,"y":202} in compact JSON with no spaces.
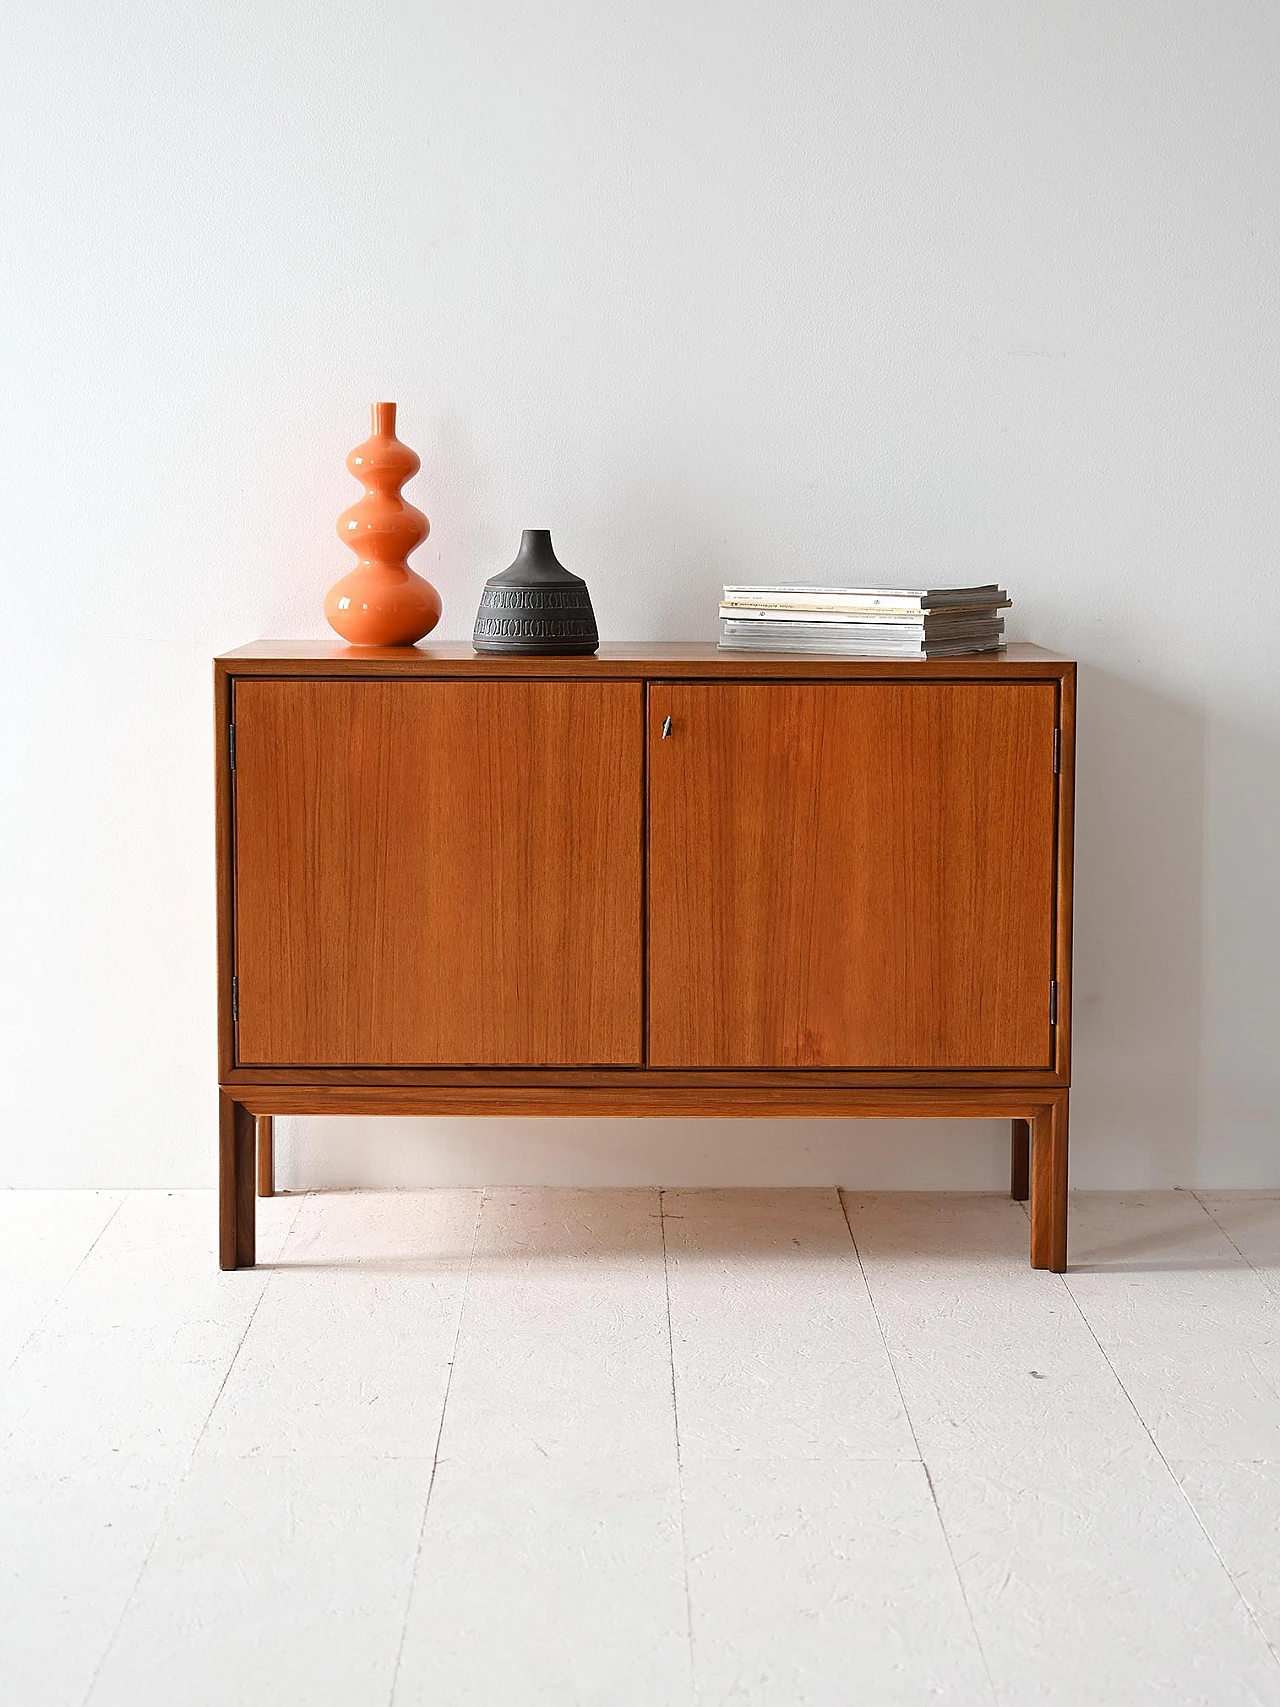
{"x":664,"y":880}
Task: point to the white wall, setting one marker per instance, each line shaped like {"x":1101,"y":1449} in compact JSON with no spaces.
{"x":883,"y":288}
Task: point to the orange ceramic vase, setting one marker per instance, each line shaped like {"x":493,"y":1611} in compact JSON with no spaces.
{"x":382,"y":602}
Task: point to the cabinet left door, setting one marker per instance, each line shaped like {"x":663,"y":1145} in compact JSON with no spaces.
{"x":438,"y":873}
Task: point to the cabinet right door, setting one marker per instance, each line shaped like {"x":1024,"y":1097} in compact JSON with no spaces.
{"x":855,"y":874}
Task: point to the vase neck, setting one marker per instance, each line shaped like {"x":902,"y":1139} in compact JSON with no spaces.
{"x":536,"y":543}
{"x":384,"y":420}
{"x":536,"y":564}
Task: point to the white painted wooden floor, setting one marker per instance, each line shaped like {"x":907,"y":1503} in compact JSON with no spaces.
{"x":611,"y":1447}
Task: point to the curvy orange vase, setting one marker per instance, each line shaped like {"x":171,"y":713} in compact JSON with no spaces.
{"x":382,"y":602}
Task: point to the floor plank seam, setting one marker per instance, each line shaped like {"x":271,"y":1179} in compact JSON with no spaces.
{"x":1275,"y":1651}
{"x":1168,"y":1468}
{"x":920,"y":1458}
{"x":675,"y":1419}
{"x":178,"y":1483}
{"x":235,"y":1356}
{"x":435,"y":1454}
{"x":53,"y":1302}
{"x":1252,"y":1266}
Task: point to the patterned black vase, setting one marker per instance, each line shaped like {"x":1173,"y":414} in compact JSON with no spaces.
{"x":536,"y":605}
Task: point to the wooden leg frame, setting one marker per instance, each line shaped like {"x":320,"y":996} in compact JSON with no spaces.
{"x":1049,"y":1186}
{"x":237,"y":1206}
{"x":266,"y":1156}
{"x":1038,"y":1152}
{"x":1020,"y":1162}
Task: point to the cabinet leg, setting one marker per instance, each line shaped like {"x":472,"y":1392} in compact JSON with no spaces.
{"x":1049,"y":1186}
{"x":236,"y":1202}
{"x":266,"y":1156}
{"x":1020,"y":1161}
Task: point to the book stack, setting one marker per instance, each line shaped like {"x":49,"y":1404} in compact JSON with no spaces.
{"x":864,"y":622}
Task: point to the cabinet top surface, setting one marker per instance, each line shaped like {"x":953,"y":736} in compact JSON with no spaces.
{"x":635,"y":659}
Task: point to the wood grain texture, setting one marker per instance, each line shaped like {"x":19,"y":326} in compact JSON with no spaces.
{"x":641,"y":1100}
{"x":1066,"y":841}
{"x":851,"y":875}
{"x":1020,"y":1161}
{"x":1049,"y":1185}
{"x":237,"y":1207}
{"x":626,"y":662}
{"x":438,"y":872}
{"x":656,"y":1078}
{"x":266,"y":1156}
{"x":224,"y":874}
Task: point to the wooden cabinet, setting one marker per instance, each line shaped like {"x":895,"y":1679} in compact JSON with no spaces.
{"x":664,"y":880}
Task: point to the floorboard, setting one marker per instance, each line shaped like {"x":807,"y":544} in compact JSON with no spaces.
{"x":639,"y":1449}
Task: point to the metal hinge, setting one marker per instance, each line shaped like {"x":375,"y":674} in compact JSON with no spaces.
{"x":235,"y":1001}
{"x":1053,"y":1001}
{"x":1057,"y":751}
{"x":231,"y":744}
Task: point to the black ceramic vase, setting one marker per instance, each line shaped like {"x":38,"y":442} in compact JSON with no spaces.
{"x":536,"y":605}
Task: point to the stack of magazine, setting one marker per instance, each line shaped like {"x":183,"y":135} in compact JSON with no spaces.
{"x":864,"y":622}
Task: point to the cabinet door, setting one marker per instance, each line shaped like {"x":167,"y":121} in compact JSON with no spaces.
{"x":438,"y":873}
{"x":853,"y":875}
